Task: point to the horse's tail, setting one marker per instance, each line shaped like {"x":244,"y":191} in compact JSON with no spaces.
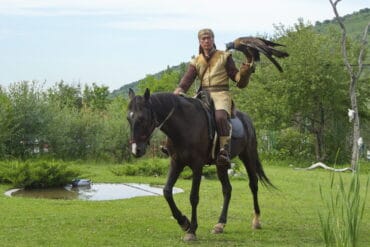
{"x":262,"y":176}
{"x":252,"y":149}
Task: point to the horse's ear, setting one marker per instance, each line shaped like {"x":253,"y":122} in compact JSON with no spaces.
{"x":131,"y":93}
{"x":147,"y":94}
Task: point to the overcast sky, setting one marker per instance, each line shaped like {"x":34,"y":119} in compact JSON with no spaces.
{"x":115,"y":42}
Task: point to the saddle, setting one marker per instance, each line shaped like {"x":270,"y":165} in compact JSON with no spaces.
{"x":237,"y":129}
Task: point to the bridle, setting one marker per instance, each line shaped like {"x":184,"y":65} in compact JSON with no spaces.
{"x":154,"y":126}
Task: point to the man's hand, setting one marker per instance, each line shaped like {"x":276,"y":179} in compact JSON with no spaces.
{"x":178,"y":91}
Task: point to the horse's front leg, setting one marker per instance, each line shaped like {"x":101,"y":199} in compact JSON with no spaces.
{"x":226,"y":191}
{"x":194,"y":200}
{"x":173,"y":175}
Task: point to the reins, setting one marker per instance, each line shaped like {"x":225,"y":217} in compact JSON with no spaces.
{"x":168,"y":117}
{"x":160,"y":125}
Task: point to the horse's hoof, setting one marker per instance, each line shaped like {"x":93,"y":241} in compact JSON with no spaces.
{"x":256,"y":222}
{"x":218,"y":228}
{"x":189,"y":237}
{"x":256,"y":225}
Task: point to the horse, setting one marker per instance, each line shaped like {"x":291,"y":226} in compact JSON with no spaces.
{"x":184,"y":121}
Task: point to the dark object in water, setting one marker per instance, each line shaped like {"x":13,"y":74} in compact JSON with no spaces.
{"x":81,"y":182}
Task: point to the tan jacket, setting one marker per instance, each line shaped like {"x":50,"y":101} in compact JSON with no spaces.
{"x":214,"y":76}
{"x":212,"y":73}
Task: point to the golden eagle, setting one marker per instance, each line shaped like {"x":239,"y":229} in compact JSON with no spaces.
{"x":252,"y":47}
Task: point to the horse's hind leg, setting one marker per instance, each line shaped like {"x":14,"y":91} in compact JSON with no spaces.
{"x":250,"y":165}
{"x":226,"y":191}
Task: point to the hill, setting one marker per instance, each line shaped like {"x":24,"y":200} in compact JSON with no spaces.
{"x":134,"y":85}
{"x":355,"y":24}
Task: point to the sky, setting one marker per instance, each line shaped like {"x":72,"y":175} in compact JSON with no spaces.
{"x":115,"y":42}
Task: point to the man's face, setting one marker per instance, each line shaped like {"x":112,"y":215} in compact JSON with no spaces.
{"x":206,"y":42}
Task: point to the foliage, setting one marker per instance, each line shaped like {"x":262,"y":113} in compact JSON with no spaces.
{"x":355,"y":24}
{"x":310,"y":96}
{"x":62,"y":122}
{"x":96,"y":97}
{"x":343,"y":212}
{"x":63,"y":96}
{"x":29,"y":111}
{"x":39,"y":174}
{"x":166,"y":82}
{"x":147,"y":167}
{"x":6,"y":127}
{"x":157,"y":167}
{"x":294,"y":144}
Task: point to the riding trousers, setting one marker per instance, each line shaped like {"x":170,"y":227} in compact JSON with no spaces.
{"x":222,"y":123}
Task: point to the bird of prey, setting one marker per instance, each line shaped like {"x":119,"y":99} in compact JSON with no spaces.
{"x":253,"y":46}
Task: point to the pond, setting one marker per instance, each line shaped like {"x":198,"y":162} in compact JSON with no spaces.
{"x":94,"y":192}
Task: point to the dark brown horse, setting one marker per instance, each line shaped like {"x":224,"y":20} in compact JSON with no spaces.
{"x":184,"y":122}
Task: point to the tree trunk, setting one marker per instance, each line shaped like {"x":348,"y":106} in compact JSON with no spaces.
{"x":319,"y":130}
{"x":356,"y":125}
{"x":354,"y":76}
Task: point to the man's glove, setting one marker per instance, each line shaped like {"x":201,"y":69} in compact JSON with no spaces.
{"x":245,"y":71}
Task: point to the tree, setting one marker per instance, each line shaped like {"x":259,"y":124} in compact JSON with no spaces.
{"x":96,"y":97}
{"x":166,"y":81}
{"x":308,"y":96}
{"x":6,"y":120}
{"x":354,"y":77}
{"x":29,"y":118}
{"x":64,"y":95}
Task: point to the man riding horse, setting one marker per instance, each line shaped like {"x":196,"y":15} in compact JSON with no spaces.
{"x":214,"y":68}
{"x":174,"y":115}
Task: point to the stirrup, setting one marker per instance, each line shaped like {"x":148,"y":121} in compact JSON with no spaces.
{"x":223,"y":158}
{"x":164,"y":150}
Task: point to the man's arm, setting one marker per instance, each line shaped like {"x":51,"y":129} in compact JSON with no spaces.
{"x":187,"y":80}
{"x":241,"y":76}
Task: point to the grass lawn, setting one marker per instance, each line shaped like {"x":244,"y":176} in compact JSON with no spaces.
{"x":289,"y":215}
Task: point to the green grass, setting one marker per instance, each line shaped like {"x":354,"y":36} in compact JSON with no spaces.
{"x":289,"y":216}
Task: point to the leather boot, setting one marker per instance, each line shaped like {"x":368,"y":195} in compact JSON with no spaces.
{"x":223,"y":157}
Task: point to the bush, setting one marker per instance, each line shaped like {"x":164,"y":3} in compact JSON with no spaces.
{"x":145,"y":167}
{"x":287,"y":144}
{"x":40,"y":174}
{"x":157,"y":167}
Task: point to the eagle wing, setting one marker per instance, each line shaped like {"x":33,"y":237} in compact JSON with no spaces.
{"x":252,"y":47}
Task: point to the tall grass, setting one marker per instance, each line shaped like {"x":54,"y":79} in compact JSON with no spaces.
{"x":343,"y":210}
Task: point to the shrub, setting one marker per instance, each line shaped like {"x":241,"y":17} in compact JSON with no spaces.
{"x":145,"y":167}
{"x":40,"y":174}
{"x":157,"y":167}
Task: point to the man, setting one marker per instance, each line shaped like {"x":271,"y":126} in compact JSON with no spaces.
{"x":214,"y":68}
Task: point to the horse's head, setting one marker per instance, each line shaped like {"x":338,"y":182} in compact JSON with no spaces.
{"x":142,"y":122}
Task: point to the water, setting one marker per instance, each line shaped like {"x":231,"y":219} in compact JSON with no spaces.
{"x":95,"y":192}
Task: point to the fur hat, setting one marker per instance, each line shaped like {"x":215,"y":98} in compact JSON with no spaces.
{"x":205,"y":31}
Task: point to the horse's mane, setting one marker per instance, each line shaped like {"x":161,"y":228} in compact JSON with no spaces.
{"x":167,"y":101}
